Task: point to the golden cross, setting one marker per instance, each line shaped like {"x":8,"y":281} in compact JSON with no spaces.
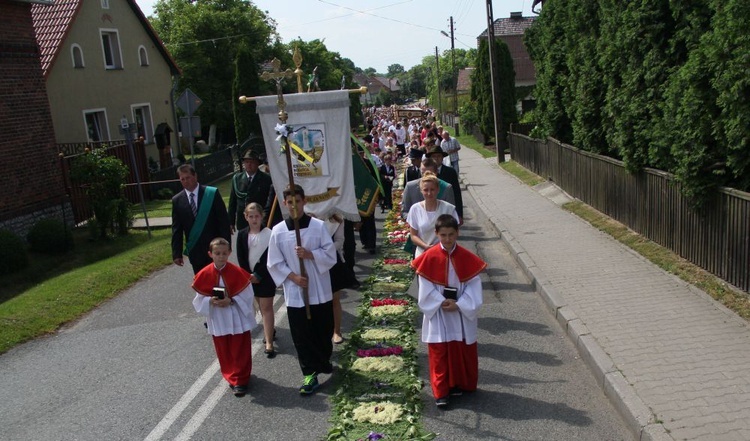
{"x":278,"y":76}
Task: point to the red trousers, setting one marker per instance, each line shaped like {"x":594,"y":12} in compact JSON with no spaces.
{"x":453,"y":364}
{"x":234,"y":352}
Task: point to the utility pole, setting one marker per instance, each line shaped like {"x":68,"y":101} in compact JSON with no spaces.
{"x":455,"y":80}
{"x":437,"y":69}
{"x":500,"y":143}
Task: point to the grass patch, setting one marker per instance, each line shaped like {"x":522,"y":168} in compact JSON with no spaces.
{"x":163,"y":207}
{"x":470,"y":142}
{"x":57,"y":290}
{"x":737,"y":301}
{"x":526,"y":176}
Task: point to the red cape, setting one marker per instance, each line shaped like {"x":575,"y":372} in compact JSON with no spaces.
{"x":235,"y":279}
{"x":433,"y":264}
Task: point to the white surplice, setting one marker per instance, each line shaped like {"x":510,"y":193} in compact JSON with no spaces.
{"x":439,"y":326}
{"x":233,"y":319}
{"x":282,"y":260}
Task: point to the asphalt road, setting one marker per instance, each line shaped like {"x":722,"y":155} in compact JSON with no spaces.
{"x":141,"y":367}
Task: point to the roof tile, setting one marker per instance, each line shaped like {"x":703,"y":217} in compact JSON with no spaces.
{"x":51,"y":23}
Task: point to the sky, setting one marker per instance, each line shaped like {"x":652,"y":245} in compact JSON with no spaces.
{"x":379,"y":33}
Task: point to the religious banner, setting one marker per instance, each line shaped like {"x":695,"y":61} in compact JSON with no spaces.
{"x":366,"y":186}
{"x":318,"y":133}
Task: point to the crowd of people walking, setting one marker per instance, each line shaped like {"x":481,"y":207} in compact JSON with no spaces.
{"x":413,"y":154}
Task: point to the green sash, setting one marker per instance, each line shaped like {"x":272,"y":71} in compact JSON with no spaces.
{"x":443,"y":186}
{"x":200,"y":219}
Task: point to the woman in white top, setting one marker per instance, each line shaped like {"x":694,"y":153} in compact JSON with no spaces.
{"x":252,"y":254}
{"x":422,"y":215}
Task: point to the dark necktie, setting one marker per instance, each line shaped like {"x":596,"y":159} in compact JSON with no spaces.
{"x":192,"y":204}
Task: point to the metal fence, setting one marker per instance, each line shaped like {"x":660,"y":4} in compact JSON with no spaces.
{"x":208,"y":168}
{"x":715,"y":237}
{"x":78,"y":199}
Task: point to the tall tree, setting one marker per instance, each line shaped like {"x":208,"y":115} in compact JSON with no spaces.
{"x":395,"y":70}
{"x":204,"y":38}
{"x":481,"y":88}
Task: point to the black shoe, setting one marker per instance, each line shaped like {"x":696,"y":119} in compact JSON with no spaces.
{"x":309,"y":384}
{"x":442,"y":403}
{"x":456,"y":392}
{"x":239,"y":391}
{"x":274,"y":336}
{"x":270,"y":353}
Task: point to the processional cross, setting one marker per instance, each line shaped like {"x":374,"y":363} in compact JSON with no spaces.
{"x":279,"y":76}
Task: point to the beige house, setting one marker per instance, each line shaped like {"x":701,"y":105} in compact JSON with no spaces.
{"x":103,"y":61}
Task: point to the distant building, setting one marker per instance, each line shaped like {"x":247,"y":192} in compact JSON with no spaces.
{"x":30,"y":176}
{"x":375,"y":84}
{"x":463,"y":85}
{"x":511,"y":30}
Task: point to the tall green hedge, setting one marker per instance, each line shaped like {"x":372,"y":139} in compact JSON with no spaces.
{"x":656,"y":83}
{"x":481,"y":89}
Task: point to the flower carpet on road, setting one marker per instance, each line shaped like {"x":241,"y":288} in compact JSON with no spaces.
{"x":379,"y":384}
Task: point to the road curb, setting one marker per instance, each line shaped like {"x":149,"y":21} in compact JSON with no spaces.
{"x":637,"y":416}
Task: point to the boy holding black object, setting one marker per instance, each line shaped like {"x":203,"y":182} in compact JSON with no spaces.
{"x":450,"y":295}
{"x":224,"y":295}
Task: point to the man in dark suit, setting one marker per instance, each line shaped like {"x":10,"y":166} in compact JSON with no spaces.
{"x":412,"y":194}
{"x":249,"y":185}
{"x":412,"y":172}
{"x":196,"y":205}
{"x":449,"y":175}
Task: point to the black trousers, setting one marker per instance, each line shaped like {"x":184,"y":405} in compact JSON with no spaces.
{"x":368,"y":232}
{"x":350,"y":244}
{"x":312,"y":338}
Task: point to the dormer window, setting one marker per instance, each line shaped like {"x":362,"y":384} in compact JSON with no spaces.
{"x":76,"y":54}
{"x":143,"y":56}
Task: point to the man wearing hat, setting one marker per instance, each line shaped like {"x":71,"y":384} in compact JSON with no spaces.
{"x":249,"y":185}
{"x":413,"y":173}
{"x":449,"y":175}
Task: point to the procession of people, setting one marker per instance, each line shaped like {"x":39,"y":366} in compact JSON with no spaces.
{"x":311,"y":258}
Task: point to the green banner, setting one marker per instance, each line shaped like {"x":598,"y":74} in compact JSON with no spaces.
{"x":366,"y":185}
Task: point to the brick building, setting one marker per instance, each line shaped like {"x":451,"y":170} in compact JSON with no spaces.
{"x":30,"y":177}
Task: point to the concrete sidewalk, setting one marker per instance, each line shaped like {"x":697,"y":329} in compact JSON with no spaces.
{"x":674,"y":362}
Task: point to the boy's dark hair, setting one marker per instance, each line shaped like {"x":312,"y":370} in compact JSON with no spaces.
{"x":446,"y":221}
{"x":219,"y":241}
{"x":297,"y":191}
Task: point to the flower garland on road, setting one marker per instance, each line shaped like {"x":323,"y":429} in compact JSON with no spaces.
{"x":379,"y":384}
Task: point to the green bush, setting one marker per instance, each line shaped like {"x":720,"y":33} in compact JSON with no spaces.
{"x":50,"y":236}
{"x":164,"y":194}
{"x":13,"y":253}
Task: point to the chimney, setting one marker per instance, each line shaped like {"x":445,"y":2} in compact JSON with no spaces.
{"x":516,"y":15}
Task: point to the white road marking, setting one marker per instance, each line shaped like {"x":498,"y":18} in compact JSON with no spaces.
{"x":205,"y":409}
{"x":182,"y":403}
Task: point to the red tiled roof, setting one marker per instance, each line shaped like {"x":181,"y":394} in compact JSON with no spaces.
{"x":51,"y":23}
{"x":510,"y":26}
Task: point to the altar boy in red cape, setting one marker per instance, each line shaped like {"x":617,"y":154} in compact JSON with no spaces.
{"x":224,"y":295}
{"x":450,"y":295}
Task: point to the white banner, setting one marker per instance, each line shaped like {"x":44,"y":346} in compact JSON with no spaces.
{"x":321,"y":151}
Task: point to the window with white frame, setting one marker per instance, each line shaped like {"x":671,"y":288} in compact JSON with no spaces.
{"x":111,"y":49}
{"x":76,"y":54}
{"x":96,"y":125}
{"x":143,"y":122}
{"x":105,"y":4}
{"x":143,"y":55}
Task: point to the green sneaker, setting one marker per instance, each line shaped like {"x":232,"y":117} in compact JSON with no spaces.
{"x":309,"y":385}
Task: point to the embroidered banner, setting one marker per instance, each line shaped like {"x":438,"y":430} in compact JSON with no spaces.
{"x":318,"y":135}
